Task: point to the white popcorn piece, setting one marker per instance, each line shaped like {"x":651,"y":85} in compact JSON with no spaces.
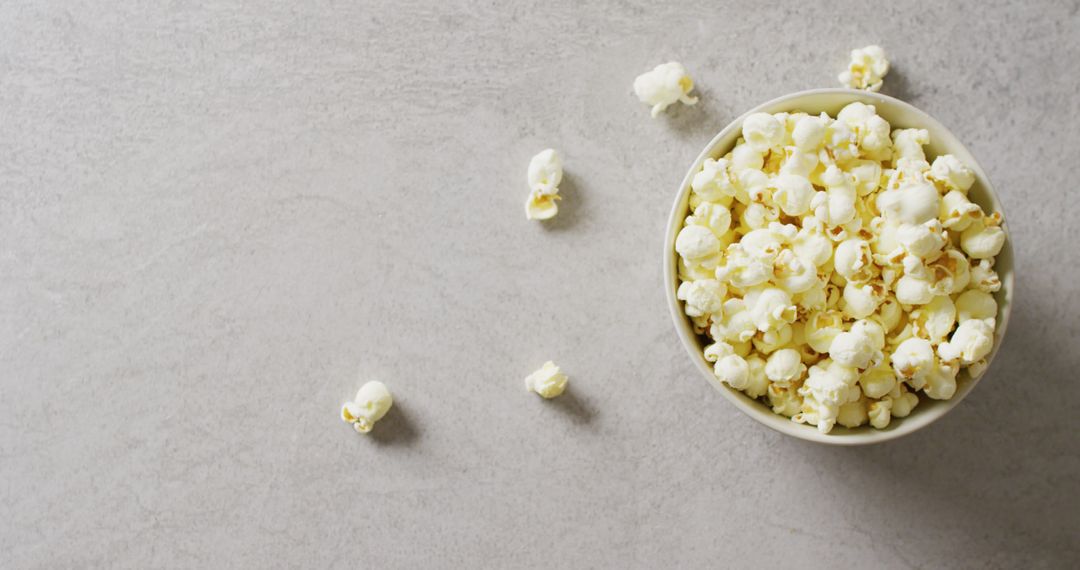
{"x":737,"y":324}
{"x":853,"y":414}
{"x":809,"y":133}
{"x":785,"y":366}
{"x":733,"y":371}
{"x":941,"y":382}
{"x":854,"y":350}
{"x":665,"y":85}
{"x":821,"y":328}
{"x":913,"y":360}
{"x":975,"y":304}
{"x":952,"y":174}
{"x":854,"y":261}
{"x":861,"y":300}
{"x":371,"y":403}
{"x":950,"y":273}
{"x":934,"y":320}
{"x":544,"y":175}
{"x":745,"y":157}
{"x":793,"y":194}
{"x":714,"y":182}
{"x":718,"y":350}
{"x":878,"y":382}
{"x":984,"y":277}
{"x":923,"y":240}
{"x":866,"y":70}
{"x":880,"y":413}
{"x":716,"y":217}
{"x":981,"y":240}
{"x":767,"y":342}
{"x":904,"y":403}
{"x":770,"y":308}
{"x":695,"y":243}
{"x":785,"y":400}
{"x":758,"y":383}
{"x":908,"y":143}
{"x":913,"y":290}
{"x":957,"y":212}
{"x":548,"y":381}
{"x":839,"y":206}
{"x":914,"y":203}
{"x":762,"y":132}
{"x":972,"y":341}
{"x":703,"y":297}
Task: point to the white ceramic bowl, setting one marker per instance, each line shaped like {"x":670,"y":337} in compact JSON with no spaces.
{"x":899,"y":115}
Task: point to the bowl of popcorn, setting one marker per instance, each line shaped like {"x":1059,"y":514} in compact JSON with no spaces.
{"x":838,"y":266}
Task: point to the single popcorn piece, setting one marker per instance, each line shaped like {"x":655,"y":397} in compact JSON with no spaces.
{"x":665,"y":85}
{"x":548,"y":381}
{"x":866,"y":70}
{"x":544,"y":175}
{"x":839,"y":273}
{"x":370,"y":405}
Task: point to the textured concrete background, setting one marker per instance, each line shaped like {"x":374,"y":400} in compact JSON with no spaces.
{"x":216,"y":221}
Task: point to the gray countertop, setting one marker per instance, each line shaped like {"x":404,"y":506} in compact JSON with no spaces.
{"x":217,"y":221}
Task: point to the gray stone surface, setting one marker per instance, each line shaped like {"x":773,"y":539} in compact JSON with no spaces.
{"x":216,"y":221}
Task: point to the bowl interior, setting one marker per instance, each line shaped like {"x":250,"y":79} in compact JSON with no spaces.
{"x":899,"y":115}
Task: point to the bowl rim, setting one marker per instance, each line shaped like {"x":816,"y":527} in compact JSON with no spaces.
{"x":760,"y":412}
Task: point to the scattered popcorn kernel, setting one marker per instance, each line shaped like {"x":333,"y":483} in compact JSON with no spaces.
{"x":372,"y":402}
{"x":665,"y":85}
{"x":548,"y":381}
{"x":866,"y":70}
{"x":544,"y":175}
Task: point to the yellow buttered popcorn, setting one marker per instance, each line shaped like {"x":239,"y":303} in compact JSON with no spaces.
{"x":370,"y":405}
{"x":839,"y":272}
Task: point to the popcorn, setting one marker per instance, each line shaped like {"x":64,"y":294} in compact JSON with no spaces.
{"x":544,"y":175}
{"x":371,"y":403}
{"x":702,"y":297}
{"x":934,"y":320}
{"x":854,"y":350}
{"x":975,"y":304}
{"x":854,"y":260}
{"x":763,"y":132}
{"x":784,"y":400}
{"x":981,"y":240}
{"x":809,"y":133}
{"x":972,"y":341}
{"x":665,"y":85}
{"x":951,"y":173}
{"x":878,"y":381}
{"x":696,"y":243}
{"x":941,"y":382}
{"x":852,"y":414}
{"x":984,"y":277}
{"x":733,"y":370}
{"x":548,"y":381}
{"x":957,"y":212}
{"x":866,"y":70}
{"x":880,"y":413}
{"x":908,"y":143}
{"x":860,"y":301}
{"x":821,"y":328}
{"x":714,"y":182}
{"x":913,"y":360}
{"x":793,"y":194}
{"x":784,"y":366}
{"x":770,"y":308}
{"x":830,"y":265}
{"x":904,"y":403}
{"x":923,"y":240}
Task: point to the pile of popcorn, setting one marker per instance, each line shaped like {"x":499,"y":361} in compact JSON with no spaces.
{"x":836,"y":271}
